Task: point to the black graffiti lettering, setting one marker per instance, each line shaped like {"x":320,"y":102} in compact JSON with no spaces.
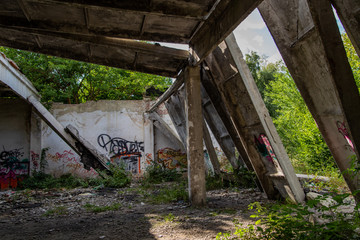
{"x":11,"y":155}
{"x":119,"y":146}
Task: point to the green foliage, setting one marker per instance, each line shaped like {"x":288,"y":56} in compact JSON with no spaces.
{"x":169,"y":218}
{"x":60,"y":210}
{"x":41,"y":180}
{"x":69,"y":81}
{"x":239,"y":178}
{"x":165,"y":193}
{"x":117,"y":179}
{"x":296,"y":221}
{"x":353,"y":58}
{"x":97,"y":209}
{"x":157,"y":173}
{"x":296,"y":127}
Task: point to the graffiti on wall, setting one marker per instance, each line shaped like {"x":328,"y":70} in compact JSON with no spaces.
{"x":343,"y":130}
{"x":264,"y":147}
{"x":13,"y":167}
{"x":171,"y":158}
{"x":124,"y":152}
{"x":70,"y":162}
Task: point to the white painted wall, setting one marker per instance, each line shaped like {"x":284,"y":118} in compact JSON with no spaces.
{"x":114,"y":128}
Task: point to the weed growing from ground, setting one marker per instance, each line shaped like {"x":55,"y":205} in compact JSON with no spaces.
{"x":157,"y":173}
{"x":117,"y":178}
{"x":167,"y":194}
{"x":96,"y":209}
{"x":169,"y":218}
{"x":60,"y":210}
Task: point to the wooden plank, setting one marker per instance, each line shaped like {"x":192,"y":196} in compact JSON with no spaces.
{"x":108,"y":41}
{"x":194,"y":131}
{"x":315,"y":64}
{"x":170,"y":91}
{"x":349,"y":14}
{"x":211,"y":150}
{"x":186,"y":9}
{"x":269,"y":127}
{"x":38,"y":25}
{"x":166,"y":130}
{"x":222,"y":21}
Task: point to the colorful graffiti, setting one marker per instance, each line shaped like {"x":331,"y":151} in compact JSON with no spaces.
{"x":124,"y":153}
{"x":264,"y":147}
{"x":13,"y":168}
{"x":171,"y":158}
{"x":343,"y":130}
{"x":70,"y":162}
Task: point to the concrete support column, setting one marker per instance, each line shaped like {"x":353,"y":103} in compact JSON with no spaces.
{"x":194,"y":129}
{"x":148,"y":143}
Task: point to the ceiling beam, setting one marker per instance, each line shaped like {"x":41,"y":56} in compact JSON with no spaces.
{"x":179,"y":8}
{"x":222,"y":21}
{"x":36,"y":25}
{"x":65,"y":53}
{"x":108,"y":41}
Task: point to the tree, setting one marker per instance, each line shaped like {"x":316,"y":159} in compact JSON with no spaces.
{"x":296,"y":126}
{"x":69,"y":81}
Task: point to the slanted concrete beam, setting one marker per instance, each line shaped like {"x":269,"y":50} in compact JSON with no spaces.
{"x":211,"y":150}
{"x":315,"y":57}
{"x":349,"y":14}
{"x":222,"y":21}
{"x":194,"y":129}
{"x":264,"y":116}
{"x":160,"y":124}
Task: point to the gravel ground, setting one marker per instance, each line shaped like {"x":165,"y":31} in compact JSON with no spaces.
{"x":60,"y":214}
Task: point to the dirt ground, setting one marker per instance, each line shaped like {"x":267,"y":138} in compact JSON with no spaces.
{"x":60,"y":214}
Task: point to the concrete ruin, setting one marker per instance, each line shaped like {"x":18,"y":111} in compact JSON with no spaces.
{"x":212,"y":76}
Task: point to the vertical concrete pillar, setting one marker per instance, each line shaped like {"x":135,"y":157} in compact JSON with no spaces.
{"x":148,"y":142}
{"x":194,"y":129}
{"x":35,"y":142}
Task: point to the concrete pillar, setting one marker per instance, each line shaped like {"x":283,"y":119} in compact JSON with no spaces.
{"x":194,"y":129}
{"x":148,"y":142}
{"x":35,"y":142}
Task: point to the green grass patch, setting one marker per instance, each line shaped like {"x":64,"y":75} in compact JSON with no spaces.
{"x":60,"y":210}
{"x":97,"y":209}
{"x":117,"y":178}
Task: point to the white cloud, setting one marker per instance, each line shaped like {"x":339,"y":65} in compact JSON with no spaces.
{"x":259,"y":40}
{"x":253,"y":21}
